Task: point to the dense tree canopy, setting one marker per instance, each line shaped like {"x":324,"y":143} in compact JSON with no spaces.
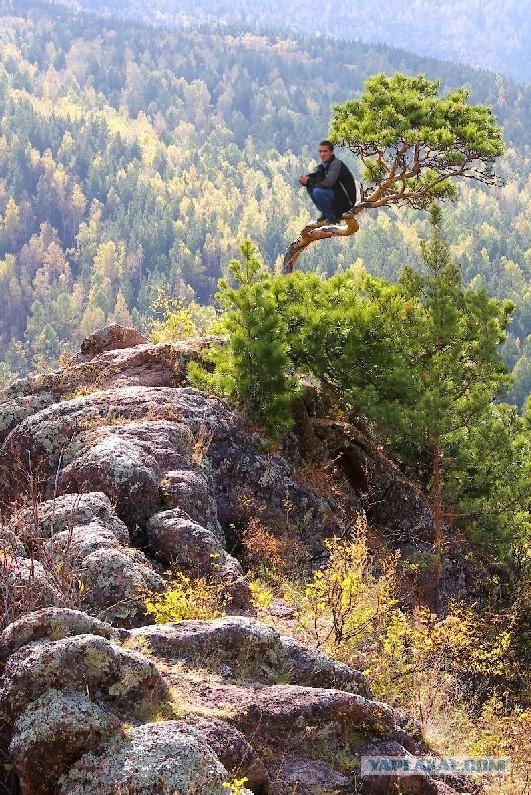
{"x":413,"y":142}
{"x":420,"y":359}
{"x":174,"y":146}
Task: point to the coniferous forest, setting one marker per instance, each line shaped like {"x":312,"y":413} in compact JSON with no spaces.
{"x":135,"y":160}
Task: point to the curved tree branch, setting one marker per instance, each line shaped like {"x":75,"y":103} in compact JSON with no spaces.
{"x":312,"y":232}
{"x":394,"y":189}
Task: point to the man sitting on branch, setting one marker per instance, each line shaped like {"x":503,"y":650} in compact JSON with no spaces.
{"x":413,"y":144}
{"x":331,"y":186}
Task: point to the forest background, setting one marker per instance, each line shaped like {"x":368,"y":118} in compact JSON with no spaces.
{"x":135,"y":159}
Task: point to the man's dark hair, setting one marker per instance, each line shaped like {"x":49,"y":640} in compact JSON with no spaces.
{"x":329,"y":144}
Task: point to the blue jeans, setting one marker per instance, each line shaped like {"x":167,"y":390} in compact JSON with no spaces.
{"x":323,"y":198}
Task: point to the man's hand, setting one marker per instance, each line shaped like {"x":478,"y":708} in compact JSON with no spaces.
{"x":304,"y":180}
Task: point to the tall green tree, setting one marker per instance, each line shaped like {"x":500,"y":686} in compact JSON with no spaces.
{"x":350,"y":331}
{"x":455,"y":355}
{"x":252,"y":369}
{"x":489,"y":482}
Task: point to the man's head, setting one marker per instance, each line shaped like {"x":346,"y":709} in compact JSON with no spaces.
{"x":326,"y":151}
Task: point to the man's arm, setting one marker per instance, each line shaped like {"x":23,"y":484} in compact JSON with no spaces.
{"x":309,"y":179}
{"x":332,"y":175}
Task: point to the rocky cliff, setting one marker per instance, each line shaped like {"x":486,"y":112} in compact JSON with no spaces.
{"x":111,"y":470}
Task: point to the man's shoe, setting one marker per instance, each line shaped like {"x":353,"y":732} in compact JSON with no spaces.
{"x":322,"y":221}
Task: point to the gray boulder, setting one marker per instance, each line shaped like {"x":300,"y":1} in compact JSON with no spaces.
{"x":81,"y":541}
{"x":115,"y":583}
{"x":16,"y":405}
{"x":65,"y":512}
{"x":112,"y":337}
{"x":234,"y":751}
{"x":175,"y":539}
{"x":123,"y":471}
{"x":248,"y":648}
{"x":168,"y":441}
{"x":111,"y":674}
{"x":291,"y":717}
{"x":165,"y":757}
{"x":53,"y":623}
{"x":192,"y":492}
{"x":51,"y":733}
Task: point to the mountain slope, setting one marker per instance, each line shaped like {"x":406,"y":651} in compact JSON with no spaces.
{"x":134,"y":161}
{"x":491,"y":35}
{"x":137,"y":488}
{"x":137,"y":511}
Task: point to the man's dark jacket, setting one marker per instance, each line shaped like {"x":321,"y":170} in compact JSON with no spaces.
{"x":336,"y":175}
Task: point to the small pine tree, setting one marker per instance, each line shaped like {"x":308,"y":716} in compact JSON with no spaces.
{"x":252,"y":369}
{"x":455,"y":354}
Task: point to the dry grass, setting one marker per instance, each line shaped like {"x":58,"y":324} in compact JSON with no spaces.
{"x":46,"y":575}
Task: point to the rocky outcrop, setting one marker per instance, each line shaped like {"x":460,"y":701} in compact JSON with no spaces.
{"x":113,"y":470}
{"x":63,"y":692}
{"x":77,"y":702}
{"x":131,"y":440}
{"x":113,"y":356}
{"x":358,"y":461}
{"x":245,"y":647}
{"x":83,"y":533}
{"x":177,"y":467}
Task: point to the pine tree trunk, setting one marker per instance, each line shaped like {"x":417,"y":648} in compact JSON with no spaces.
{"x":437,"y":525}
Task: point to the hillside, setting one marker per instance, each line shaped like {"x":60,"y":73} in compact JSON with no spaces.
{"x":260,"y":522}
{"x":139,"y":473}
{"x":132,"y":471}
{"x":134,"y":162}
{"x":491,"y":35}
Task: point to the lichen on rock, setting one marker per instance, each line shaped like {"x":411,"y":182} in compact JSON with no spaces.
{"x":132,"y":471}
{"x":51,"y":733}
{"x":168,"y":756}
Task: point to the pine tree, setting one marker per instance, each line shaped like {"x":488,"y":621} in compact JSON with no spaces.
{"x":252,"y":368}
{"x":459,"y":372}
{"x":490,"y":481}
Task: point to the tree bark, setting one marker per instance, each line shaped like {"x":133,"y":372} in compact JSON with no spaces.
{"x":437,"y":525}
{"x":311,"y":233}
